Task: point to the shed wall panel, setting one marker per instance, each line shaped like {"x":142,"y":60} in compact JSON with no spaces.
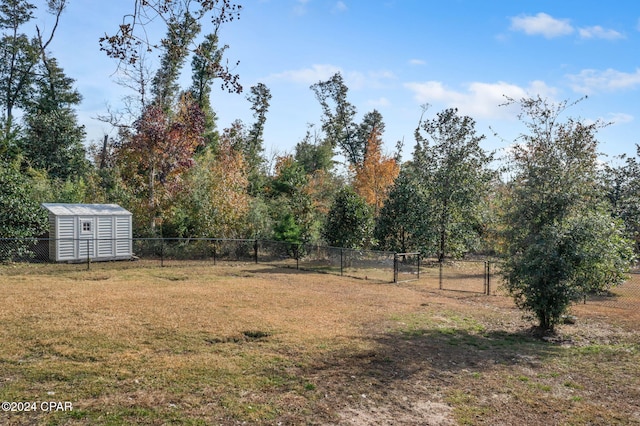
{"x":123,"y":236}
{"x":52,"y":237}
{"x":86,"y":248}
{"x":105,"y":237}
{"x":65,"y":236}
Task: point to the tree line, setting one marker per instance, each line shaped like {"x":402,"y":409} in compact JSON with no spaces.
{"x":565,"y":224}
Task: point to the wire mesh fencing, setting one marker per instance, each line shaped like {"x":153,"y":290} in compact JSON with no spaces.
{"x":623,"y":296}
{"x":364,"y":264}
{"x":406,"y":267}
{"x":184,"y":251}
{"x":23,"y":250}
{"x":91,"y":253}
{"x":473,"y":276}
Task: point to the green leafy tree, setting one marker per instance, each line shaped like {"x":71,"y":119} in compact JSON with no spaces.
{"x":43,"y":189}
{"x":21,"y":216}
{"x":17,"y":58}
{"x":561,"y":240}
{"x":315,"y":157}
{"x":207,"y":66}
{"x":259,"y":222}
{"x":338,"y":125}
{"x":181,"y":31}
{"x":213,"y":202}
{"x":372,"y":124}
{"x":19,"y":55}
{"x":314,"y":154}
{"x":288,"y":194}
{"x":52,"y":137}
{"x":454,"y":170}
{"x":622,"y":188}
{"x":290,"y":177}
{"x":337,"y":121}
{"x":350,"y":222}
{"x":287,"y":230}
{"x":259,"y":96}
{"x":403,"y":224}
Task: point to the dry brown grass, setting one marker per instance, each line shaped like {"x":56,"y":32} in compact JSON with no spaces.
{"x":250,"y":343}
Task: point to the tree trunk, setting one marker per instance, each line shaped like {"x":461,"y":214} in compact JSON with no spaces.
{"x":152,"y":206}
{"x":443,"y":231}
{"x":103,"y":154}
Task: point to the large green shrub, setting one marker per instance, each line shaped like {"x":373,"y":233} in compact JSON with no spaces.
{"x":20,"y":216}
{"x":561,"y":240}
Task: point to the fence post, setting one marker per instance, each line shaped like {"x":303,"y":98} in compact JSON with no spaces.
{"x":440,"y":273}
{"x":161,"y":252}
{"x":488,"y":278}
{"x":341,"y":261}
{"x":214,"y":251}
{"x":255,"y":250}
{"x":395,"y":268}
{"x":88,"y":257}
{"x":485,"y":275}
{"x":419,"y":256}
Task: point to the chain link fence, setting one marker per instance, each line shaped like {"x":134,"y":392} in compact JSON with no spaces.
{"x":364,"y":264}
{"x":383,"y":266}
{"x":184,"y":251}
{"x":624,"y":296}
{"x":483,"y":277}
{"x":474,"y":276}
{"x":407,"y":267}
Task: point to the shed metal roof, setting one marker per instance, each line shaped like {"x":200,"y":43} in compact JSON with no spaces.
{"x":61,"y":209}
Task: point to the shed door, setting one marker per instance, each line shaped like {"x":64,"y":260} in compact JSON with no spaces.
{"x":86,"y":239}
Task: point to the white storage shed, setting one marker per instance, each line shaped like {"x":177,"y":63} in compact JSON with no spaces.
{"x":94,"y":231}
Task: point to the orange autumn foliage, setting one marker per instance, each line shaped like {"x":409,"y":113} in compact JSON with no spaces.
{"x":375,"y":175}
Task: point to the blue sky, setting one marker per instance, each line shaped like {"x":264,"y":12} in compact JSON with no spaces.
{"x":396,"y":56}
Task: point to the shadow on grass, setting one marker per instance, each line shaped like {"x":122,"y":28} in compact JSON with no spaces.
{"x":278,"y":269}
{"x":330,"y":270}
{"x":437,"y":354}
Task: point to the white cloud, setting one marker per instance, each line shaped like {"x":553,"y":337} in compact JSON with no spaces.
{"x":479,"y":100}
{"x":541,"y":24}
{"x":540,"y":88}
{"x":619,"y":118}
{"x":354,"y":80}
{"x":599,"y":32}
{"x":417,"y":62}
{"x":300,"y":8}
{"x":589,"y":81}
{"x":307,"y":75}
{"x":377,"y":103}
{"x":357,"y":80}
{"x":430,"y":91}
{"x":612,"y":118}
{"x":339,"y":7}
